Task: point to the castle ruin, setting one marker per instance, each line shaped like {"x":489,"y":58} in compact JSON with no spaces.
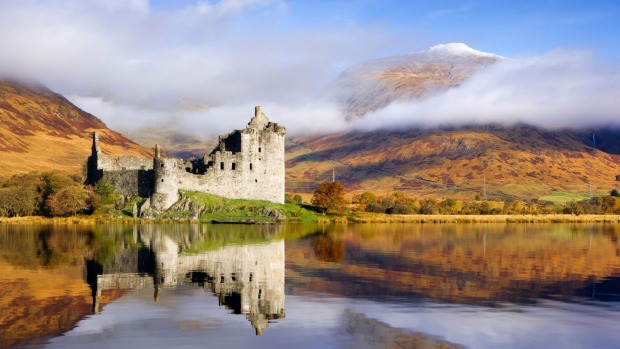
{"x":246,"y":164}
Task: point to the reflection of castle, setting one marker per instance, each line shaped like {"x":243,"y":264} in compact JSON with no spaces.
{"x":248,"y":279}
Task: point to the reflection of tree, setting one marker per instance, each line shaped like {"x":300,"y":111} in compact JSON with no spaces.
{"x":45,"y":249}
{"x":328,"y":249}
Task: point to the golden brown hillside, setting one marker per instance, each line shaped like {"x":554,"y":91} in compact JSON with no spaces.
{"x":41,"y":130}
{"x":517,"y":161}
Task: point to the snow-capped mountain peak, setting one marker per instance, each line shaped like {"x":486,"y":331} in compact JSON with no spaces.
{"x":458,"y":49}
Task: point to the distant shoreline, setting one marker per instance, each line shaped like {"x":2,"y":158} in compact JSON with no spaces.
{"x":550,"y":218}
{"x":345,"y":219}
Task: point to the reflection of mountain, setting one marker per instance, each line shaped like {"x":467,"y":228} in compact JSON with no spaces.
{"x":481,"y":264}
{"x":371,"y":333}
{"x":248,"y":279}
{"x":41,"y":290}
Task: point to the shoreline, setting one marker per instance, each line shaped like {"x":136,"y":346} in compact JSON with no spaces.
{"x":350,"y":219}
{"x":550,"y":218}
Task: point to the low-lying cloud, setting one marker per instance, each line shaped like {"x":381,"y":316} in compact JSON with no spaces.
{"x":200,"y":68}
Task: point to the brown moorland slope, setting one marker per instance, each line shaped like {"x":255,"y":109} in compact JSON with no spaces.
{"x":41,"y":130}
{"x":509,"y":161}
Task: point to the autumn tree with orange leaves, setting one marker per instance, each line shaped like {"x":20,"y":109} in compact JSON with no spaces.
{"x":329,"y":196}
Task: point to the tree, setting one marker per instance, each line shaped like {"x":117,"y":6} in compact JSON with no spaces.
{"x":329,"y":196}
{"x":16,"y":201}
{"x":614,"y":193}
{"x":366,"y":198}
{"x":68,"y":201}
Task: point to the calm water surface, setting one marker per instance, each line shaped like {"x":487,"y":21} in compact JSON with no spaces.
{"x":295,"y":286}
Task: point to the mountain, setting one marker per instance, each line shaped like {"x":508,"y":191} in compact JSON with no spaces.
{"x":372,"y":85}
{"x":503,"y":161}
{"x":458,"y":162}
{"x":41,"y":130}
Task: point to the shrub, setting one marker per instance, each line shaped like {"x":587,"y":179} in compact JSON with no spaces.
{"x":375,"y":207}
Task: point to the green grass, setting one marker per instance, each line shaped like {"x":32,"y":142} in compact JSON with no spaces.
{"x":218,"y":208}
{"x":562,"y":198}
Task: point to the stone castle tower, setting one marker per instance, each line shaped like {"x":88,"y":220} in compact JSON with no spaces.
{"x":246,"y":164}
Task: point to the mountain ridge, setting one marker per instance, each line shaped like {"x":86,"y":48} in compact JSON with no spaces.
{"x":520,"y":161}
{"x":41,"y":130}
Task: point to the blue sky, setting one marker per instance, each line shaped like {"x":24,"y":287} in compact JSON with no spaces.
{"x":187,"y":63}
{"x":508,"y":28}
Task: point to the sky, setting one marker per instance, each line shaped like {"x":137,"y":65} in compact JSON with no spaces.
{"x":201,"y":66}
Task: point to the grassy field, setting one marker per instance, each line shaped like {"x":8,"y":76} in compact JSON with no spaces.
{"x":562,"y":198}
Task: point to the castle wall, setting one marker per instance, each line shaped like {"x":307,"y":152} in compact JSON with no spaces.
{"x":128,"y":174}
{"x":131,"y":182}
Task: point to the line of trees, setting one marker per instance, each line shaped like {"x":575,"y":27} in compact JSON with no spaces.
{"x":50,"y":194}
{"x":330,"y":197}
{"x":399,"y":203}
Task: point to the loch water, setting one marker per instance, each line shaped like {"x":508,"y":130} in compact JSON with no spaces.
{"x":310,"y":286}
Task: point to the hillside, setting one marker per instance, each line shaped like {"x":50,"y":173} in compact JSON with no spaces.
{"x":41,"y":130}
{"x":518,"y":161}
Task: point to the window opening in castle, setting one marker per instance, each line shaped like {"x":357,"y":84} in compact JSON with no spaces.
{"x":162,"y":180}
{"x":250,"y":166}
{"x":162,"y":165}
{"x":221,"y":165}
{"x":234,"y":166}
{"x":259,"y":149}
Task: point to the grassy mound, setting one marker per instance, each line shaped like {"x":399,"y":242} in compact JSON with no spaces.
{"x":215,"y":208}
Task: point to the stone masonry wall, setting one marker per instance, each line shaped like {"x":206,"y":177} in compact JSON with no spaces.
{"x":134,"y":182}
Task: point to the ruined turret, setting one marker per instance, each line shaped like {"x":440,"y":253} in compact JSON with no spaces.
{"x":260,"y":120}
{"x":93,"y":171}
